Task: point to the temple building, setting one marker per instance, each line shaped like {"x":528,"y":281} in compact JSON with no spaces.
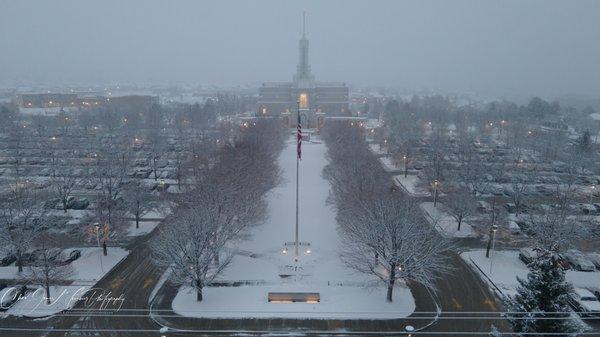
{"x":314,"y":99}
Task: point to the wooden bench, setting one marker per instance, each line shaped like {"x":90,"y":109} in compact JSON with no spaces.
{"x":276,"y":297}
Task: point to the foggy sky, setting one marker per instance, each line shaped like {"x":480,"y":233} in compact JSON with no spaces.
{"x":538,"y":47}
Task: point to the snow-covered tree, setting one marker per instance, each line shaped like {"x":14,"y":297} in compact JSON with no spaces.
{"x":461,"y":204}
{"x":138,"y":200}
{"x":110,"y":175}
{"x":541,"y":304}
{"x":63,"y":181}
{"x":48,"y":269}
{"x":555,"y":230}
{"x":192,"y":243}
{"x":494,"y":332}
{"x":21,"y":215}
{"x":388,"y":238}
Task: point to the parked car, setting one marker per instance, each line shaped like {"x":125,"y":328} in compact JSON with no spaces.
{"x":584,"y":302}
{"x":10,"y":295}
{"x":8,"y":259}
{"x":73,"y":255}
{"x":579,"y":261}
{"x":595,"y":258}
{"x":527,"y":255}
{"x":596,"y":291}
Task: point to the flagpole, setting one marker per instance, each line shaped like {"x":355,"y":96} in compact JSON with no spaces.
{"x":296,"y":257}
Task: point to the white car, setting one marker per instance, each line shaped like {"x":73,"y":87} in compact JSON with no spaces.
{"x":579,"y":261}
{"x":595,"y":258}
{"x":584,"y":301}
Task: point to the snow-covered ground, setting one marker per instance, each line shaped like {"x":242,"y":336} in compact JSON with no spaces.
{"x":145,"y":228}
{"x":444,"y":223}
{"x":87,"y":270}
{"x":410,"y":184}
{"x":348,"y":302}
{"x":505,"y":266}
{"x":390,"y":165}
{"x":260,"y":260}
{"x":377,"y":150}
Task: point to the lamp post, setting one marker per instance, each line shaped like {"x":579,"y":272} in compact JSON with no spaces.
{"x":494,"y":229}
{"x":405,"y":168}
{"x":296,"y":256}
{"x":435,"y":192}
{"x":97,"y":227}
{"x":592,"y":190}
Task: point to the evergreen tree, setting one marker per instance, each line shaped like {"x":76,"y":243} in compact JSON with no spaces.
{"x":494,"y":332}
{"x":585,"y":142}
{"x":542,"y":300}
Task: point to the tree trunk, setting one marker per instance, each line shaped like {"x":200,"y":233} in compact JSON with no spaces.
{"x":19,"y":262}
{"x":198,"y":290}
{"x":459,"y":223}
{"x":47,"y":294}
{"x":64,"y":202}
{"x":104,"y":249}
{"x":137,"y":215}
{"x":391,"y":282}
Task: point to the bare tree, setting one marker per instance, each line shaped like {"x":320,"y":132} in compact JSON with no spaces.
{"x":388,"y":238}
{"x":48,"y":269}
{"x":461,"y":204}
{"x":157,"y":141}
{"x":21,"y":214}
{"x":110,"y":175}
{"x":64,"y":182}
{"x":191,"y":246}
{"x":138,"y":200}
{"x":555,"y":230}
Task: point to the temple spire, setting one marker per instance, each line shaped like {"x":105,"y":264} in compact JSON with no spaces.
{"x":303,"y":77}
{"x":304,"y":25}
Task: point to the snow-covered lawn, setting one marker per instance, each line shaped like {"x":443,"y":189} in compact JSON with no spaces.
{"x":341,"y":302}
{"x":86,"y":272}
{"x":377,"y":149}
{"x":260,"y":261}
{"x":444,"y":223}
{"x":506,"y":267}
{"x":389,"y":165}
{"x":410,"y":184}
{"x":145,"y":228}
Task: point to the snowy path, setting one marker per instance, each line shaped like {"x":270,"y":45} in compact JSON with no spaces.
{"x":343,"y":293}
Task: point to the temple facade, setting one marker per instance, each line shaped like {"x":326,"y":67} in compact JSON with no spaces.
{"x":315,"y":100}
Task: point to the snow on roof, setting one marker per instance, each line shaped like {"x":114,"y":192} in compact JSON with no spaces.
{"x":595,"y":116}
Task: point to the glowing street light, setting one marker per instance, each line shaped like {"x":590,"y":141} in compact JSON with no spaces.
{"x":435,"y":192}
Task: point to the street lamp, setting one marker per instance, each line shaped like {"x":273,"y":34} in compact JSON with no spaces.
{"x":405,"y":168}
{"x":494,"y":230}
{"x":97,"y":227}
{"x":435,"y":192}
{"x":592,"y":190}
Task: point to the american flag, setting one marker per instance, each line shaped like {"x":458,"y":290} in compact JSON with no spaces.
{"x":299,"y":138}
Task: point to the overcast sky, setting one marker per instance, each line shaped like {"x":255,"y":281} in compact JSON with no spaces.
{"x":543,"y":47}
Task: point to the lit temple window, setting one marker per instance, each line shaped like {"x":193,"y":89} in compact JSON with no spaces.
{"x":303,"y":100}
{"x":264,"y":111}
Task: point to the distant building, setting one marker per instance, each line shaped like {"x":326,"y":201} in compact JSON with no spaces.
{"x":47,"y":100}
{"x":315,"y":99}
{"x":53,"y":103}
